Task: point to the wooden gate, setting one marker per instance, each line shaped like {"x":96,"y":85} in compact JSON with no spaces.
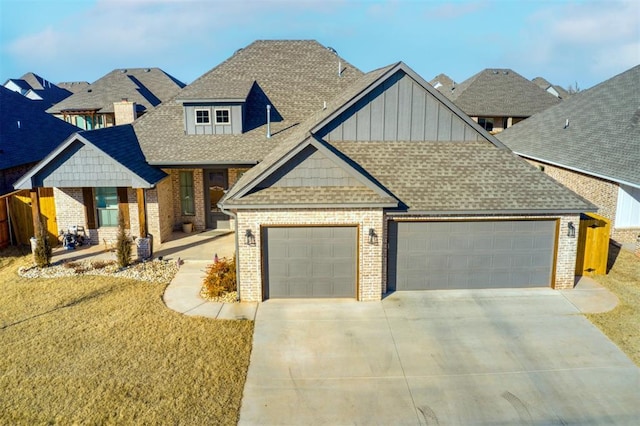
{"x":593,"y":245}
{"x":16,"y":218}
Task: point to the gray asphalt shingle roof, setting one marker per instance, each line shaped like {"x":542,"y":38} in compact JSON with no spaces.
{"x":295,"y":77}
{"x":119,"y":142}
{"x":301,"y":132}
{"x":500,"y":93}
{"x":460,"y":176}
{"x":73,"y":86}
{"x":147,"y":87}
{"x":49,"y":93}
{"x":443,"y":83}
{"x":37,"y":134}
{"x":293,"y":196}
{"x":425,"y":176}
{"x":603,"y":136}
{"x":544,"y":85}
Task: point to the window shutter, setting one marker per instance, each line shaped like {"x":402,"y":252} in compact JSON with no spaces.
{"x":89,"y":207}
{"x":123,"y":206}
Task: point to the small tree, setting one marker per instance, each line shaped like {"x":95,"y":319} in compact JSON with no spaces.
{"x":123,"y":244}
{"x":220,"y":278}
{"x":42,"y":252}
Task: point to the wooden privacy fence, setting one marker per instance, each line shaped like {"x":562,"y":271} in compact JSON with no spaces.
{"x":16,"y":217}
{"x":593,"y":245}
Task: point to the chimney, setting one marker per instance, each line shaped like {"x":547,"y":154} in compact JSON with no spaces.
{"x":124,"y":111}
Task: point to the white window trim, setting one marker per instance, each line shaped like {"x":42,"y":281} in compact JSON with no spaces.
{"x":215,"y":116}
{"x":195,"y":116}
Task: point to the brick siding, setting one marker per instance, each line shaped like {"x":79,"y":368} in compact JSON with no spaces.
{"x":601,"y":192}
{"x":370,"y":262}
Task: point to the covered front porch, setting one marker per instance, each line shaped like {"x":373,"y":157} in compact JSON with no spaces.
{"x":196,"y":247}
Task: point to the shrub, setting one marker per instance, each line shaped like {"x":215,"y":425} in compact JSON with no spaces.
{"x":123,"y":244}
{"x":221,"y":278}
{"x":100,"y":264}
{"x":42,"y":251}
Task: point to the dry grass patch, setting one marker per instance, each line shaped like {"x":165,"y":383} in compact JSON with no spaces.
{"x":622,"y":325}
{"x":104,"y":350}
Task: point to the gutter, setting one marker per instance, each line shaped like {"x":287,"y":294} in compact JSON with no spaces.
{"x":235,"y":217}
{"x":177,"y":164}
{"x":531,"y":212}
{"x":575,"y":169}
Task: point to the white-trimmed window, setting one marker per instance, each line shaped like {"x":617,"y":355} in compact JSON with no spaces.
{"x":187,"y":194}
{"x":107,"y":206}
{"x":222,"y":116}
{"x":202,"y":116}
{"x":628,"y":208}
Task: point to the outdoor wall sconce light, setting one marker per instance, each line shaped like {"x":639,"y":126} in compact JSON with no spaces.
{"x":373,"y":237}
{"x":249,"y":238}
{"x":571,"y":233}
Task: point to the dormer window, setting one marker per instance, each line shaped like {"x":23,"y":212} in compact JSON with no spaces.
{"x":213,"y":118}
{"x":223,"y":116}
{"x":202,"y":116}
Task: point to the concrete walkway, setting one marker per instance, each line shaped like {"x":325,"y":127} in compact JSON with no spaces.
{"x":183,"y":293}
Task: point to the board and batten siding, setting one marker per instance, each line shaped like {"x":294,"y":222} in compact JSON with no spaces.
{"x":235,"y":113}
{"x":310,"y":168}
{"x":399,"y":110}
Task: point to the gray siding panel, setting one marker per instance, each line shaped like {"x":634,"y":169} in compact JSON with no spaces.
{"x":363,"y":127}
{"x":418,"y":110}
{"x":377,"y":118}
{"x":402,"y":110}
{"x":310,"y":168}
{"x":470,"y":255}
{"x":317,"y":262}
{"x":444,"y":123}
{"x":405,"y":104}
{"x":391,"y":113}
{"x":81,"y":165}
{"x":431,"y":119}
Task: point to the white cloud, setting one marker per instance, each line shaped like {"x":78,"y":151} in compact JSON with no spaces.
{"x":595,"y":39}
{"x":115,"y":33}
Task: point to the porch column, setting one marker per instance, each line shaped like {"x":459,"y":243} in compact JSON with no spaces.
{"x":35,"y":209}
{"x":142,"y":212}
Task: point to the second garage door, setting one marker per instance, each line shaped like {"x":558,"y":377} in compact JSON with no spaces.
{"x":310,"y":262}
{"x":471,"y":255}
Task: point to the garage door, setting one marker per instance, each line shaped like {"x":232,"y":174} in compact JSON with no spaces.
{"x":470,"y":255}
{"x":310,"y":262}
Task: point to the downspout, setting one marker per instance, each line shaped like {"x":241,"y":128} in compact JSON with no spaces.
{"x":268,"y":121}
{"x":235,"y":217}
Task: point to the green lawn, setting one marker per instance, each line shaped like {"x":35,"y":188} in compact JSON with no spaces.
{"x":622,"y":325}
{"x":102,"y":350}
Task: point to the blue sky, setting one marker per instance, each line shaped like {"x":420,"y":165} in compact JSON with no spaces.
{"x":567,"y":42}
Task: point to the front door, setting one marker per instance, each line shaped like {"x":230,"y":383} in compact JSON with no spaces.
{"x":216,"y":183}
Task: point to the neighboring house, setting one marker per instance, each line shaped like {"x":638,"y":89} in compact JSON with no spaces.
{"x":555,"y":90}
{"x":499,"y":98}
{"x":27,"y":135}
{"x":349,"y":185}
{"x":591,"y":143}
{"x":73,"y":86}
{"x":37,"y":88}
{"x":443,"y":83}
{"x":117,"y":98}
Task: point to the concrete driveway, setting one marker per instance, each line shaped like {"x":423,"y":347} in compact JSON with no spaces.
{"x":494,"y":357}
